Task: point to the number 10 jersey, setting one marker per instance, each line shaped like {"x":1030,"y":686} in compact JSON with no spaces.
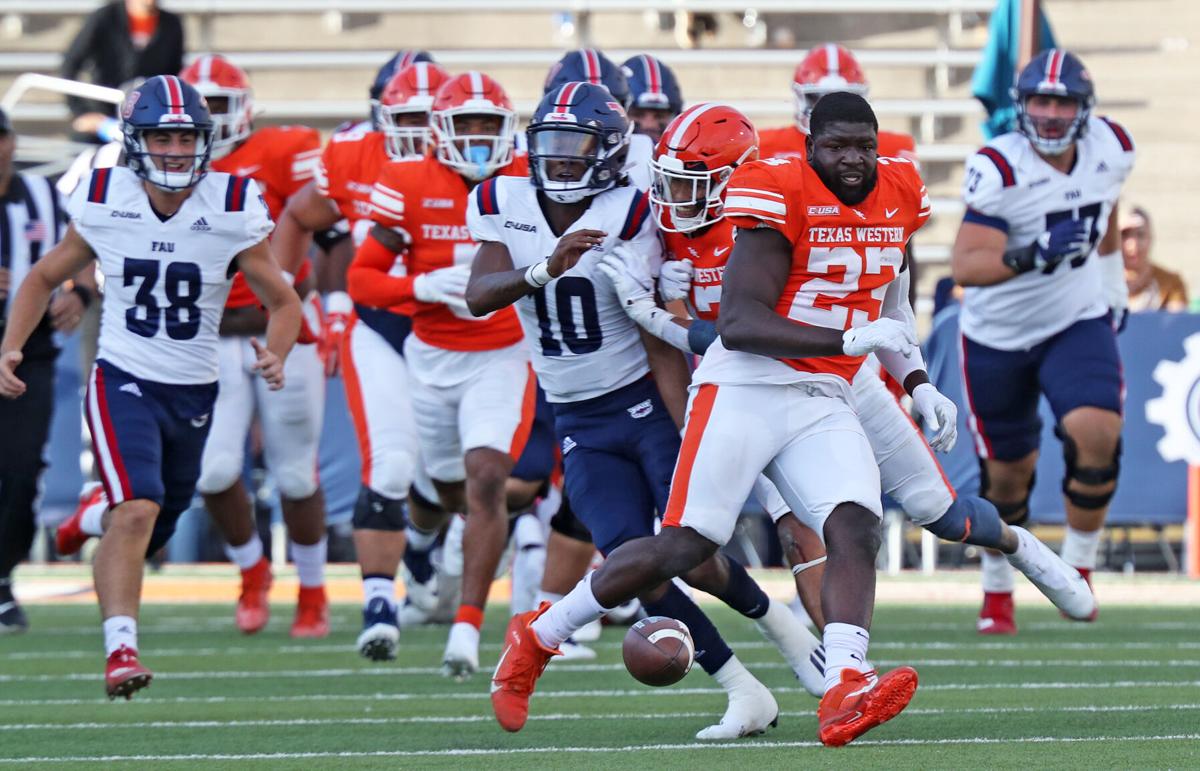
{"x":165,"y":282}
{"x":584,"y":345}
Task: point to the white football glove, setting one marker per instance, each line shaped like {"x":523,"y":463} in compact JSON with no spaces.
{"x":675,"y":280}
{"x":939,"y":414}
{"x":885,"y":334}
{"x":446,"y":286}
{"x":630,"y":277}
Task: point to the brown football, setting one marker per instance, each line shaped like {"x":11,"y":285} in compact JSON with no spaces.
{"x":658,"y":650}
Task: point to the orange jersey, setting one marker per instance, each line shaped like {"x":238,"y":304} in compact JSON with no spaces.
{"x":427,"y":201}
{"x":789,"y":142}
{"x":708,"y":251}
{"x":281,"y":159}
{"x":843,"y":257}
{"x":347,"y":172}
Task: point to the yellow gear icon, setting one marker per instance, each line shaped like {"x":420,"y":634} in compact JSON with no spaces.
{"x":1178,"y":409}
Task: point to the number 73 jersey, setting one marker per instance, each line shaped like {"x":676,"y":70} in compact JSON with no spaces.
{"x":165,"y":283}
{"x":843,"y":257}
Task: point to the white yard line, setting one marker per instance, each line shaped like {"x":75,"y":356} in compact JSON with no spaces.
{"x":150,"y":700}
{"x":560,"y":667}
{"x":747,"y":745}
{"x":457,"y":719}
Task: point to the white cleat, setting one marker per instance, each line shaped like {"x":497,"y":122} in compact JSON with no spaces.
{"x":589,"y":632}
{"x":423,"y":596}
{"x":1061,"y":583}
{"x":573,"y":651}
{"x":379,"y":642}
{"x":461,"y":659}
{"x":751,"y":711}
{"x":798,"y":646}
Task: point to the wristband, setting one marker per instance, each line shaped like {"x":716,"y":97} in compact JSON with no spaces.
{"x":538,"y":274}
{"x":84,"y":294}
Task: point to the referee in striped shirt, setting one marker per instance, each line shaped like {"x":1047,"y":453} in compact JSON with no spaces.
{"x":32,"y":220}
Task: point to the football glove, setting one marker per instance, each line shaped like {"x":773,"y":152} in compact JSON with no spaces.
{"x":885,"y":334}
{"x":675,"y":280}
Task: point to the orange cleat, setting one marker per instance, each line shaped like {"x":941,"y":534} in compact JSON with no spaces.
{"x":69,"y":538}
{"x":522,"y":662}
{"x":124,"y":675}
{"x":856,"y":705}
{"x":312,"y":613}
{"x":996,"y":616}
{"x":253,"y":608}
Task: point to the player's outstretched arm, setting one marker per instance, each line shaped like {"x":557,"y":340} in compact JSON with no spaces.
{"x":266,"y":279}
{"x":754,"y":279}
{"x":306,"y":212}
{"x":494,"y":284}
{"x":977,"y":258}
{"x":68,"y":257}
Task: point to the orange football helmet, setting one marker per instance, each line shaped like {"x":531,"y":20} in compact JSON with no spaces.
{"x":473,"y":153}
{"x":693,"y":161}
{"x":215,"y":77}
{"x":409,"y":94}
{"x":823,"y":70}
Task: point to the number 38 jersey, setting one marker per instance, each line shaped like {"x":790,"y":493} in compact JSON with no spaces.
{"x":165,"y":283}
{"x":1009,"y":187}
{"x":584,"y":345}
{"x":843,"y":258}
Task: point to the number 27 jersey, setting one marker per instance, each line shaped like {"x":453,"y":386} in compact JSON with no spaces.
{"x":165,"y":283}
{"x":584,"y":345}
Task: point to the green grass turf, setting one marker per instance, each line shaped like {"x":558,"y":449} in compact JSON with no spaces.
{"x":1122,"y":693}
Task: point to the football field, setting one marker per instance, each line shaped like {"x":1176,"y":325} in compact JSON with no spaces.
{"x":1121,"y":693}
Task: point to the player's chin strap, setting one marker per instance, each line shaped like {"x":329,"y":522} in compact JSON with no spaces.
{"x":803,"y":566}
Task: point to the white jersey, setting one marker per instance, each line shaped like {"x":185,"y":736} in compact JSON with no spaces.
{"x":1010,"y":187}
{"x":584,"y":345}
{"x":637,"y":163}
{"x":166,"y":282}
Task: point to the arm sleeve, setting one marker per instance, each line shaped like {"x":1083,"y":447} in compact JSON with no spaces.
{"x":483,"y":211}
{"x":983,"y":192}
{"x":757,"y":197}
{"x":896,"y":306}
{"x":368,"y":280}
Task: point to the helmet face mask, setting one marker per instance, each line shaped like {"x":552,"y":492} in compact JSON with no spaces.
{"x":469,"y":149}
{"x":824,"y":69}
{"x":1050,"y":81}
{"x":152,"y":116}
{"x":229,"y":99}
{"x":578,"y":142}
{"x":406,"y":130}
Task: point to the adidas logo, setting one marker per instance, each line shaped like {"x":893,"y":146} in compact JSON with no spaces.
{"x":201,"y":225}
{"x":568,"y":444}
{"x":1102,"y":167}
{"x":131,"y":388}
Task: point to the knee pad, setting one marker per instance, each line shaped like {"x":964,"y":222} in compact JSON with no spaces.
{"x":564,"y":522}
{"x":296,"y":481}
{"x":1012,"y":513}
{"x":373,"y":511}
{"x":1087,"y":475}
{"x":420,"y":500}
{"x":392,"y":473}
{"x":219,"y":475}
{"x":927,"y":506}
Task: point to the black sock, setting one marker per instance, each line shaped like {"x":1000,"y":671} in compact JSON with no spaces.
{"x":711,"y":650}
{"x":743,"y":593}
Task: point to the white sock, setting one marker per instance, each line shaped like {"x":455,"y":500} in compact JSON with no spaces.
{"x":733,"y":675}
{"x":118,"y":631}
{"x":528,"y":565}
{"x":310,"y":562}
{"x":550,"y":597}
{"x":998,"y":574}
{"x":1080,"y":547}
{"x":419,"y":540}
{"x":92,"y":521}
{"x":568,"y":614}
{"x":845,"y":648}
{"x":379,"y":587}
{"x":248,"y":554}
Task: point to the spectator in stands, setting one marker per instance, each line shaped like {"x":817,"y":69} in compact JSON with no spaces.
{"x":121,"y":41}
{"x":31,"y":222}
{"x":1151,"y":287}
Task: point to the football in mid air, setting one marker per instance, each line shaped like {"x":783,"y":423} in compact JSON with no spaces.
{"x":658,"y":650}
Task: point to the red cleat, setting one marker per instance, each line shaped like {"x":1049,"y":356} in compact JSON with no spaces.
{"x":253,"y":608}
{"x":522,"y":662}
{"x":996,"y":616}
{"x":1087,"y":576}
{"x":124,"y":675}
{"x":856,"y":705}
{"x":69,"y":539}
{"x":312,"y":613}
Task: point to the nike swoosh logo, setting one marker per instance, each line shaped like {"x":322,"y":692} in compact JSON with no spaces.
{"x":248,"y":170}
{"x":889,"y":213}
{"x":120,"y":671}
{"x":719,"y":252}
{"x":494,"y":685}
